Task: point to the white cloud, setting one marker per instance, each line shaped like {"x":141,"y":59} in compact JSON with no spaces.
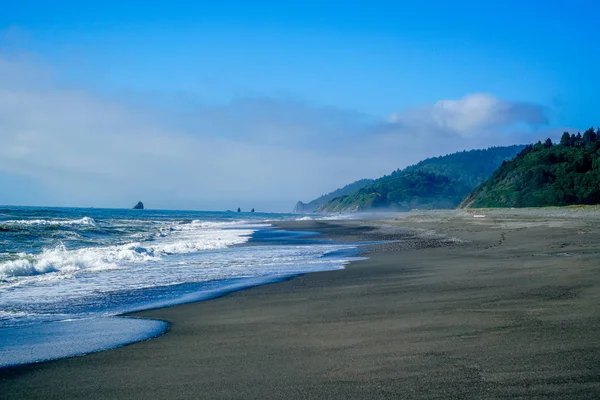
{"x":85,"y":149}
{"x":473,"y":115}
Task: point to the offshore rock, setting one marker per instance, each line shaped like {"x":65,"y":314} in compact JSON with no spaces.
{"x":139,"y":206}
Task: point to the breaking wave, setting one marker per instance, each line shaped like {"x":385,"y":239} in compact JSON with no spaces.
{"x":182,"y":239}
{"x":85,"y":221}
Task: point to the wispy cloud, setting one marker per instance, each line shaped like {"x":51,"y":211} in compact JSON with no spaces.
{"x":87,"y":149}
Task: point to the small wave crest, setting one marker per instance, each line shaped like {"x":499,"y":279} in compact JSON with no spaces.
{"x":86,"y":221}
{"x":230,"y":224}
{"x":329,"y":217}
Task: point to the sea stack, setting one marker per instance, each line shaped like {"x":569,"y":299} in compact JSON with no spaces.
{"x":139,"y":206}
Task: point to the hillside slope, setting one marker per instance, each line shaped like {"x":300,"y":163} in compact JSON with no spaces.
{"x":439,"y":182}
{"x":469,"y":167}
{"x":416,"y":189}
{"x":545,"y":175}
{"x":313,"y":205}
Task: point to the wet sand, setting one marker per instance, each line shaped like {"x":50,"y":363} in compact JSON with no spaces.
{"x":506,"y":306}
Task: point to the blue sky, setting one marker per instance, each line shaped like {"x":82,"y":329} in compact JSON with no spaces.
{"x":312,"y":83}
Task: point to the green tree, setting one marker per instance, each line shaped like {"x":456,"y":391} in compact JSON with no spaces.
{"x":589,"y":136}
{"x":545,"y":176}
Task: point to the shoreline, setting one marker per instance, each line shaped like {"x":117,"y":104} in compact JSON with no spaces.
{"x":501,"y":315}
{"x":236,"y":285}
{"x":131,"y":327}
{"x":61,"y":339}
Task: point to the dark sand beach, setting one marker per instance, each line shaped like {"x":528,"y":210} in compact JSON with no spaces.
{"x":506,"y":306}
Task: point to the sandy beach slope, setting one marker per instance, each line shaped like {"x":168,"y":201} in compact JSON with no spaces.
{"x":502,"y":306}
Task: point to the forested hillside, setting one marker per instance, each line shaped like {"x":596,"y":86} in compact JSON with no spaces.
{"x":313,"y":205}
{"x":545,"y":174}
{"x":439,"y":182}
{"x":405,"y":191}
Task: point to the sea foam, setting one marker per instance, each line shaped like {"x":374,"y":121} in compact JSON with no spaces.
{"x":56,"y":222}
{"x":182,"y":239}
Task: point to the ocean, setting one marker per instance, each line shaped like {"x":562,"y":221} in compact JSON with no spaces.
{"x":67,"y":273}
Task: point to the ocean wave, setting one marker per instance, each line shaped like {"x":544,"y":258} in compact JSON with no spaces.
{"x":85,"y":221}
{"x":229,"y":224}
{"x":199,"y":225}
{"x":4,"y":314}
{"x":59,"y":259}
{"x":329,"y":217}
{"x":94,"y":259}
